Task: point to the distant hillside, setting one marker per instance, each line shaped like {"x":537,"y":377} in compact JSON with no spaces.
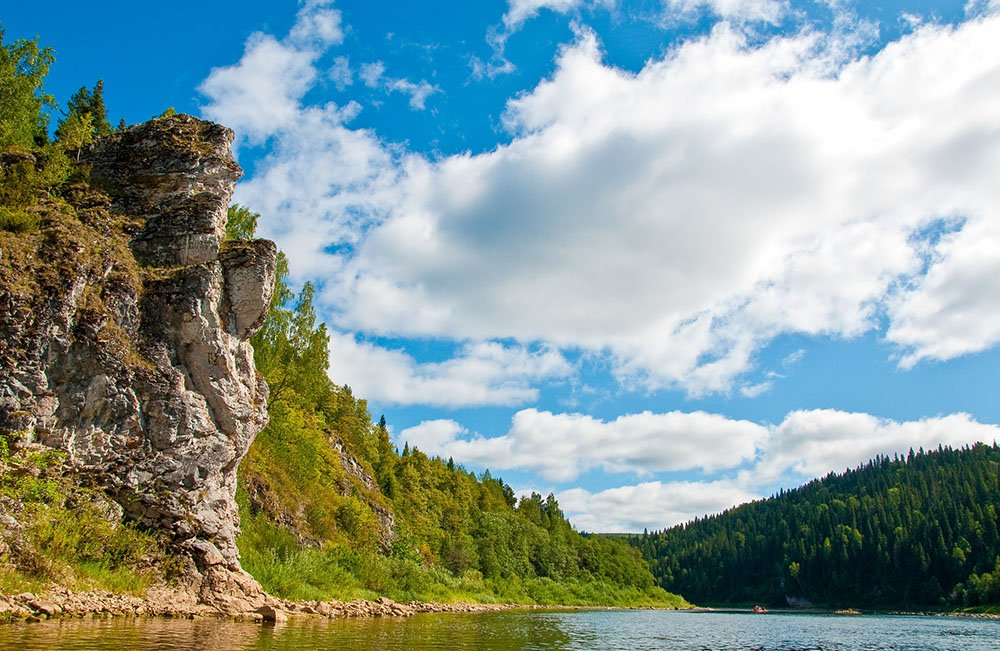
{"x":915,"y":531}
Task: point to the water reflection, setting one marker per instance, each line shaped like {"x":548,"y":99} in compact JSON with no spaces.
{"x":515,"y":631}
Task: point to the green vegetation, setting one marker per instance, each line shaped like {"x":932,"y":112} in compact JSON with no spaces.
{"x":330,"y":509}
{"x":905,"y":532}
{"x":23,"y":103}
{"x":87,"y":106}
{"x":67,"y":534}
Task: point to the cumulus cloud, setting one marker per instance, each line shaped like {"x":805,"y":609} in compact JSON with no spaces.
{"x":743,"y":460}
{"x":675,"y":220}
{"x":650,"y":505}
{"x":813,"y":443}
{"x":317,"y":25}
{"x":955,"y":308}
{"x":480,"y":374}
{"x":260,"y":95}
{"x":783,"y":194}
{"x":340,"y":73}
{"x":562,"y":446}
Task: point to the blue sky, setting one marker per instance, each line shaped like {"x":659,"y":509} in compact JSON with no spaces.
{"x":657,"y":257}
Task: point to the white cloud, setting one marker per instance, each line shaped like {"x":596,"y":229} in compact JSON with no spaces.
{"x":770,"y":11}
{"x":418,"y":92}
{"x":260,"y":95}
{"x":431,"y":434}
{"x":980,"y":7}
{"x":955,"y":308}
{"x":781,"y":195}
{"x":319,"y":184}
{"x":316,"y":25}
{"x":480,"y":374}
{"x":813,"y":443}
{"x":340,"y":73}
{"x":756,"y":390}
{"x":807,"y":444}
{"x":521,"y":11}
{"x":675,"y":220}
{"x":562,"y":446}
{"x":651,"y":505}
{"x":373,"y":74}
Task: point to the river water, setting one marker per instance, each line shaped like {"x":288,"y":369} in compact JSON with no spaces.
{"x":522,"y":631}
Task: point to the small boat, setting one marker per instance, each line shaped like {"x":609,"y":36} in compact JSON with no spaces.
{"x":758,"y":609}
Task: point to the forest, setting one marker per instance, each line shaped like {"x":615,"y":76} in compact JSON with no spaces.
{"x":329,"y":507}
{"x":312,"y":528}
{"x":901,"y":532}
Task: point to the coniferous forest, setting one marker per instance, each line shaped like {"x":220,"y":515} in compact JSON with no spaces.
{"x":915,"y":531}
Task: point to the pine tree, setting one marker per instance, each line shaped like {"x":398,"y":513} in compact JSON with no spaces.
{"x":82,"y":104}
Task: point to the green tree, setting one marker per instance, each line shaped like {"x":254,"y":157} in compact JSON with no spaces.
{"x":85,"y":103}
{"x":76,"y":132}
{"x":23,"y":103}
{"x":241,"y":223}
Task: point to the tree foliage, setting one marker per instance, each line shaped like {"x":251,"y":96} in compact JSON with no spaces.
{"x":899,"y":532}
{"x":76,"y":132}
{"x":241,"y":224}
{"x":23,"y":102}
{"x":86,"y":107}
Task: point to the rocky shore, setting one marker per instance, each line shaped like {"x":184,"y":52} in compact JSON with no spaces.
{"x":60,"y":602}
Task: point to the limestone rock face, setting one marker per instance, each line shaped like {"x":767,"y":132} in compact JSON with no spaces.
{"x":139,"y":367}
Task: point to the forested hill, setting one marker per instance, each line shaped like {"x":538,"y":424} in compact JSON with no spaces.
{"x":330,"y":508}
{"x":897,"y":532}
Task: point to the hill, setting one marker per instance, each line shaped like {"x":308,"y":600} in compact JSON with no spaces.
{"x":904,"y":532}
{"x":331,"y":508}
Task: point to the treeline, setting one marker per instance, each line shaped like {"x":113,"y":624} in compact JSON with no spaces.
{"x":919,"y":530}
{"x":331,"y":508}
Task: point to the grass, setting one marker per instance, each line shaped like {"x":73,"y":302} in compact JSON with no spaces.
{"x":68,"y":535}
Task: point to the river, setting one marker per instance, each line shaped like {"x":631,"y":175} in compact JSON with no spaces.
{"x":522,"y":631}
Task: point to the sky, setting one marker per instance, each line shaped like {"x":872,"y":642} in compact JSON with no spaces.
{"x":657,"y":257}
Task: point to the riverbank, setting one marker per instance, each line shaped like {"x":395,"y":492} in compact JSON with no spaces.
{"x":167,"y":603}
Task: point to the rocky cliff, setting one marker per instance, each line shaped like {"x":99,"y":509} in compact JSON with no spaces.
{"x":124,"y":327}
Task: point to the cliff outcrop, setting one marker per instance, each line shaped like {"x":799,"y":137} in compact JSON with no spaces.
{"x":124,"y":328}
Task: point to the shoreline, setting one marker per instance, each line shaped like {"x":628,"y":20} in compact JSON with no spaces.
{"x":843,"y":612}
{"x":167,"y":603}
{"x":58,"y":603}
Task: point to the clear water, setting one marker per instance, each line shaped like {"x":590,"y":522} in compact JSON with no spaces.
{"x":518,"y":631}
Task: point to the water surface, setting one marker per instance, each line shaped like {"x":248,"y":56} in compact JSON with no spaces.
{"x":522,"y":631}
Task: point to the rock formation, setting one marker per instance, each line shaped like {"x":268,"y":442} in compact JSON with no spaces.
{"x":124,"y":327}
